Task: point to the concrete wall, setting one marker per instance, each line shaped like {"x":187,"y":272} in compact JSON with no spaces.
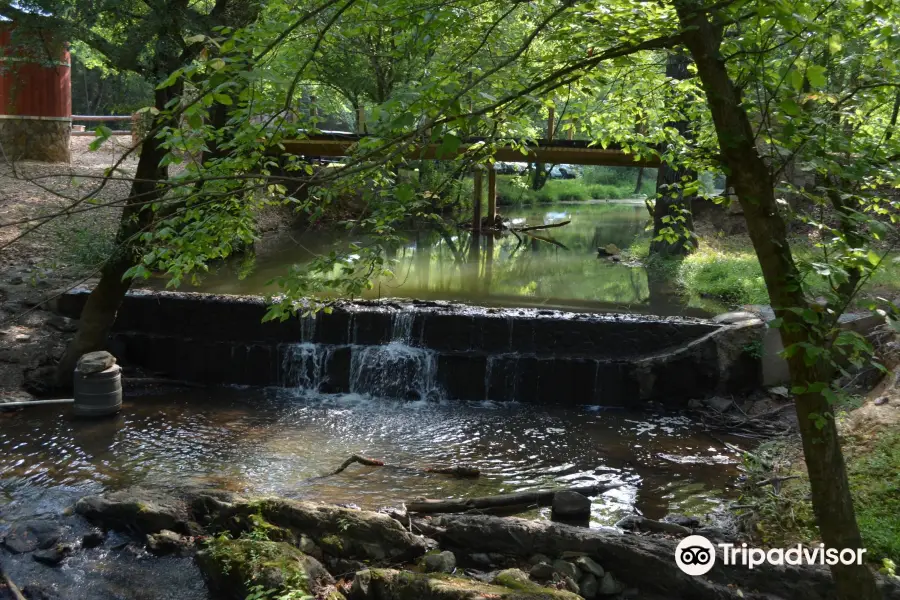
{"x":480,"y":353}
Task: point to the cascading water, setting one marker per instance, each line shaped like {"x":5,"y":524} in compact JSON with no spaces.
{"x":396,"y":370}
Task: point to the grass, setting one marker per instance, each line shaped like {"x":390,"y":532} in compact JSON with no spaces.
{"x":788,"y":518}
{"x":514,"y":190}
{"x":726,"y":269}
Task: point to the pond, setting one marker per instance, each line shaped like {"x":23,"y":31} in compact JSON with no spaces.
{"x":565,"y":272}
{"x":272,"y":441}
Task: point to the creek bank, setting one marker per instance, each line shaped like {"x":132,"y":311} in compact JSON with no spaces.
{"x":249,"y":545}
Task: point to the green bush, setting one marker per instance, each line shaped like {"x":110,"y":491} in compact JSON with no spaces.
{"x":513,"y":190}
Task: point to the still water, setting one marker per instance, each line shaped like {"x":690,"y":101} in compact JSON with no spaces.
{"x":273,"y":441}
{"x":564,"y":273}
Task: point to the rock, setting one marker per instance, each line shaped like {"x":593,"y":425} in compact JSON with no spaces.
{"x":719,"y":404}
{"x":542,"y":571}
{"x":31,"y":535}
{"x":23,"y":338}
{"x":445,"y":562}
{"x":539,"y":558}
{"x":344,"y":567}
{"x":16,"y":280}
{"x":62,"y":324}
{"x":570,"y":505}
{"x":694,"y":404}
{"x":565,"y":568}
{"x":230,"y":566}
{"x":37,"y":592}
{"x":609,"y":586}
{"x":644,"y":561}
{"x":41,"y":381}
{"x":339,"y":532}
{"x":308,"y":546}
{"x":588,"y":586}
{"x":730,"y":318}
{"x":136,"y":509}
{"x":481,"y":558}
{"x":780,"y":391}
{"x":95,"y":362}
{"x":168,"y":542}
{"x":52,"y":556}
{"x":571,"y":584}
{"x":882,"y":400}
{"x":684,"y":521}
{"x":390,"y":584}
{"x":587,"y":564}
{"x":93,"y":539}
{"x":612,"y":249}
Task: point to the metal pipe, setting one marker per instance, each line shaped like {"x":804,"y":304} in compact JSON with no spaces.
{"x":37,"y":403}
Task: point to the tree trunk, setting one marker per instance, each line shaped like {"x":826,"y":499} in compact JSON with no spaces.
{"x":640,"y":180}
{"x":672,"y":210}
{"x":99,"y":313}
{"x":754,"y":186}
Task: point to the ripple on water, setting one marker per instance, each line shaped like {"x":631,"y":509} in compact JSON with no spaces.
{"x":273,"y":442}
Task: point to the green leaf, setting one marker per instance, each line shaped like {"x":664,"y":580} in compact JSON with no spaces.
{"x":195,"y":39}
{"x":223,"y":99}
{"x":102,"y":134}
{"x":874,"y":258}
{"x":449,"y":146}
{"x":790,"y":107}
{"x":796,"y":79}
{"x":816,"y":76}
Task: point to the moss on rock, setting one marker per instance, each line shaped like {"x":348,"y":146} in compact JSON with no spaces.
{"x":390,"y":584}
{"x":232,"y":568}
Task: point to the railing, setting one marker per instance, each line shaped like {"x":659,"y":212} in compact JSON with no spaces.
{"x":101,"y":119}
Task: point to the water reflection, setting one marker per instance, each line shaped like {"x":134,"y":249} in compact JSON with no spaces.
{"x":274,"y":441}
{"x":557,"y":267}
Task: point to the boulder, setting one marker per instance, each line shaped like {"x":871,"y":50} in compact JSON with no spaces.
{"x":719,"y":404}
{"x":168,"y":542}
{"x":609,"y":586}
{"x":565,"y":568}
{"x":542,"y":571}
{"x":232,"y":568}
{"x":93,"y":538}
{"x":637,"y":561}
{"x":568,"y":505}
{"x":444,"y":562}
{"x":52,"y":556}
{"x":32,"y":535}
{"x":588,"y":565}
{"x":95,"y":362}
{"x":136,"y":509}
{"x":389,"y":584}
{"x":340,"y":532}
{"x":589,"y":586}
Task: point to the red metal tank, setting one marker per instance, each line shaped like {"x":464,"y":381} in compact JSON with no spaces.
{"x":35,"y":95}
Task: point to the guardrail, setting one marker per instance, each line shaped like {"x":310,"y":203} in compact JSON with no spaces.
{"x":79,"y":129}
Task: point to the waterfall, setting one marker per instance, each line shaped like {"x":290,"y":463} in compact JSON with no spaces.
{"x":304,"y":366}
{"x":394,"y":370}
{"x":401,"y":327}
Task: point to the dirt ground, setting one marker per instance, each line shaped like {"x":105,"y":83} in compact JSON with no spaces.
{"x":46,"y":222}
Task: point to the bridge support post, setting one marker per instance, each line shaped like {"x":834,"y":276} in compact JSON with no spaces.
{"x":476,"y":201}
{"x":361,"y":120}
{"x":492,"y":194}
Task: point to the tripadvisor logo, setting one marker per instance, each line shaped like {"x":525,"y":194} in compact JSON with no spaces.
{"x":696,"y":555}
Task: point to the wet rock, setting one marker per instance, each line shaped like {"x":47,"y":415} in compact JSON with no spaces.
{"x":389,"y":584}
{"x":95,"y":362}
{"x":37,"y":592}
{"x":230,"y":566}
{"x":340,"y":532}
{"x":719,"y":404}
{"x":589,"y":586}
{"x":52,"y":556}
{"x":41,"y":381}
{"x":32,"y":535}
{"x":136,"y":509}
{"x":565,"y":568}
{"x":22,"y":337}
{"x":344,"y":567}
{"x":308,"y":546}
{"x":570,"y":584}
{"x":542,"y":571}
{"x":780,"y":391}
{"x":695,"y":404}
{"x":62,"y":324}
{"x":445,"y":562}
{"x":481,"y":558}
{"x":539,"y":558}
{"x":609,"y":586}
{"x":568,"y":505}
{"x":93,"y":539}
{"x":684,"y":521}
{"x":882,"y":400}
{"x":168,"y":542}
{"x":587,"y":564}
{"x":16,"y":280}
{"x":730,"y":318}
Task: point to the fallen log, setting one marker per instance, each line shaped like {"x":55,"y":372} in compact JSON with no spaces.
{"x":644,"y":562}
{"x":513,"y":502}
{"x":538,"y":227}
{"x":13,"y":588}
{"x":461,"y":471}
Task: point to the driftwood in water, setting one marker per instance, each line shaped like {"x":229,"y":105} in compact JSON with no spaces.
{"x":503,"y":502}
{"x":538,"y":227}
{"x":13,"y":589}
{"x":461,"y":471}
